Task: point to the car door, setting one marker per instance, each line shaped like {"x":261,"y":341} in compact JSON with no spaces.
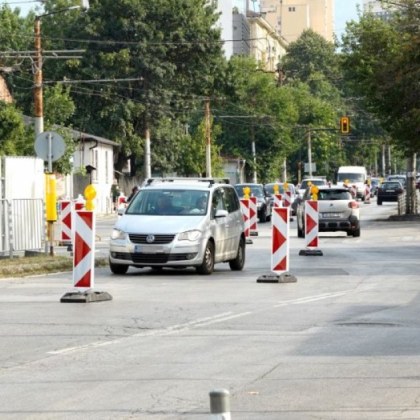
{"x":219,"y":225}
{"x":235,"y":225}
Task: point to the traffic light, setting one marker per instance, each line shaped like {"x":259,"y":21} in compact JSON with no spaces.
{"x":345,"y":125}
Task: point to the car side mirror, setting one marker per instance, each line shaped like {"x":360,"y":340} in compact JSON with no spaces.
{"x":221,"y":213}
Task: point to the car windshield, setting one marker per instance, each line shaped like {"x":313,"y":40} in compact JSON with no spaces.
{"x":391,"y":185}
{"x":332,"y":194}
{"x":169,"y":202}
{"x":256,"y":190}
{"x":305,"y":183}
{"x":342,"y":177}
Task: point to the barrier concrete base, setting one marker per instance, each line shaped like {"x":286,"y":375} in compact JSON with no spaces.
{"x":249,"y":241}
{"x":311,"y":252}
{"x":277,"y":278}
{"x":254,"y":233}
{"x":85,"y":297}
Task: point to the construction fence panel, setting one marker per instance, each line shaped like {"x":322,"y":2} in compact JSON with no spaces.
{"x":22,"y":225}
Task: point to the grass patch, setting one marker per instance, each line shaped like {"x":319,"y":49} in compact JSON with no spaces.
{"x":41,"y":264}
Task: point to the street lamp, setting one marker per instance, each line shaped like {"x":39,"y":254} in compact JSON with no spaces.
{"x":38,"y":95}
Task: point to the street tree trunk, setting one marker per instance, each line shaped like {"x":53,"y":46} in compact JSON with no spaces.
{"x":411,"y":197}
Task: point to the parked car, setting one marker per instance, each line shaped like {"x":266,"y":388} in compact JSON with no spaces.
{"x":389,"y":191}
{"x":180,"y":223}
{"x":290,"y":189}
{"x":418,"y":182}
{"x":264,"y":206}
{"x":338,"y":211}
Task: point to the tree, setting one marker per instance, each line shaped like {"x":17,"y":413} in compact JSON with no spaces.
{"x":126,"y":40}
{"x":382,"y":59}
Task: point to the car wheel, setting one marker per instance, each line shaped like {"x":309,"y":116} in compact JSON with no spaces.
{"x":237,"y":264}
{"x":207,"y":266}
{"x":118,"y":268}
{"x":379,"y":202}
{"x":263,"y":217}
{"x":356,"y":233}
{"x":300,"y":232}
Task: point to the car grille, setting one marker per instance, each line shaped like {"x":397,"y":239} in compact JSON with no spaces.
{"x":159,"y":239}
{"x":140,"y":258}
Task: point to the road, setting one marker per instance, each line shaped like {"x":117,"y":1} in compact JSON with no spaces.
{"x":342,"y":342}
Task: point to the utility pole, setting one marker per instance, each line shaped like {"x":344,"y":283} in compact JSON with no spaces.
{"x":38,"y":97}
{"x":254,"y":154}
{"x":147,"y":153}
{"x":208,"y":137}
{"x":310,"y":153}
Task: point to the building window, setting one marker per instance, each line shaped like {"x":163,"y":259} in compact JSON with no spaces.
{"x":292,"y":9}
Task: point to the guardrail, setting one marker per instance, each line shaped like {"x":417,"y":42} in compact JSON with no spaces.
{"x":22,"y":225}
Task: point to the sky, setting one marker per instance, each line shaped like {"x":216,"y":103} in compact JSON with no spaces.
{"x":345,"y":10}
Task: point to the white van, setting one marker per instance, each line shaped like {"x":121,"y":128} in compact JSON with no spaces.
{"x":354,"y":175}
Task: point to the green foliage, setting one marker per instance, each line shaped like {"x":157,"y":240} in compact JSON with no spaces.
{"x":15,"y":139}
{"x":381,"y":59}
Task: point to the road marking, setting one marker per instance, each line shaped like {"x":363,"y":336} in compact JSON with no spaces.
{"x":200,"y":322}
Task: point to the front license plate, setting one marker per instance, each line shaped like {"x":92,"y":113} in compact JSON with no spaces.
{"x":330,"y":215}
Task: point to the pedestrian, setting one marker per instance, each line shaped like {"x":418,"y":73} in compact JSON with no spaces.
{"x":133,"y":193}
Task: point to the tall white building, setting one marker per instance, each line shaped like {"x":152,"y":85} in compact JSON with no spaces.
{"x":226,"y":25}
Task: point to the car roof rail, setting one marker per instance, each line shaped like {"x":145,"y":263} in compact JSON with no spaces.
{"x":211,"y":181}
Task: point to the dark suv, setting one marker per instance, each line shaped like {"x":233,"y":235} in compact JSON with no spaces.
{"x":263,"y":199}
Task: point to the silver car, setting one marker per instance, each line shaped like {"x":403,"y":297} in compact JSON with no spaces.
{"x":338,"y":211}
{"x":180,"y":223}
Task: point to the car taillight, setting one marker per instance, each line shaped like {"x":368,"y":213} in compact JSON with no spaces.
{"x":354,"y":205}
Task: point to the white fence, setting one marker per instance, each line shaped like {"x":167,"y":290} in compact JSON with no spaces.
{"x":22,"y":225}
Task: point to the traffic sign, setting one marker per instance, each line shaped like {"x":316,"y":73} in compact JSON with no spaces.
{"x":49,"y":146}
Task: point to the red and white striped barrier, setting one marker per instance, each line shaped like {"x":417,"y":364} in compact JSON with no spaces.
{"x":280,"y":240}
{"x":245,"y":215}
{"x":311,"y":223}
{"x":84,"y":249}
{"x":66,"y":221}
{"x":367,"y":194}
{"x":278,"y":200}
{"x":253,"y":213}
{"x":287,"y":199}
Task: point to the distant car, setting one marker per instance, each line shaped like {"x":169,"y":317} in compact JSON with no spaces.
{"x":290,"y":189}
{"x":338,"y":211}
{"x":180,"y":223}
{"x":374,"y":184}
{"x":389,"y":191}
{"x":264,"y":206}
{"x":401,"y":178}
{"x":310,"y":181}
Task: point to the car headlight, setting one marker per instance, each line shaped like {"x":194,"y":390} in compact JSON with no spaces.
{"x":118,"y":234}
{"x":189,"y":235}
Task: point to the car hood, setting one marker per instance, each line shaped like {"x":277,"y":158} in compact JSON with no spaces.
{"x":159,"y":224}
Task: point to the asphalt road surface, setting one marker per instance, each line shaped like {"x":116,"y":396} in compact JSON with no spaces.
{"x":343,"y":342}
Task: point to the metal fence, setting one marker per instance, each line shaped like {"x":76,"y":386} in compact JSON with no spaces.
{"x":22,"y":225}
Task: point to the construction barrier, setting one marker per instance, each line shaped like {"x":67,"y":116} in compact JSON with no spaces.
{"x":253,"y":213}
{"x":367,"y":194}
{"x":66,"y":221}
{"x":278,"y":200}
{"x":311,"y":228}
{"x":245,"y":215}
{"x":84,"y":249}
{"x":287,"y":199}
{"x":280,"y":240}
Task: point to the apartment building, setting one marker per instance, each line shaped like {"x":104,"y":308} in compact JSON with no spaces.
{"x":291,"y":17}
{"x":376,"y":7}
